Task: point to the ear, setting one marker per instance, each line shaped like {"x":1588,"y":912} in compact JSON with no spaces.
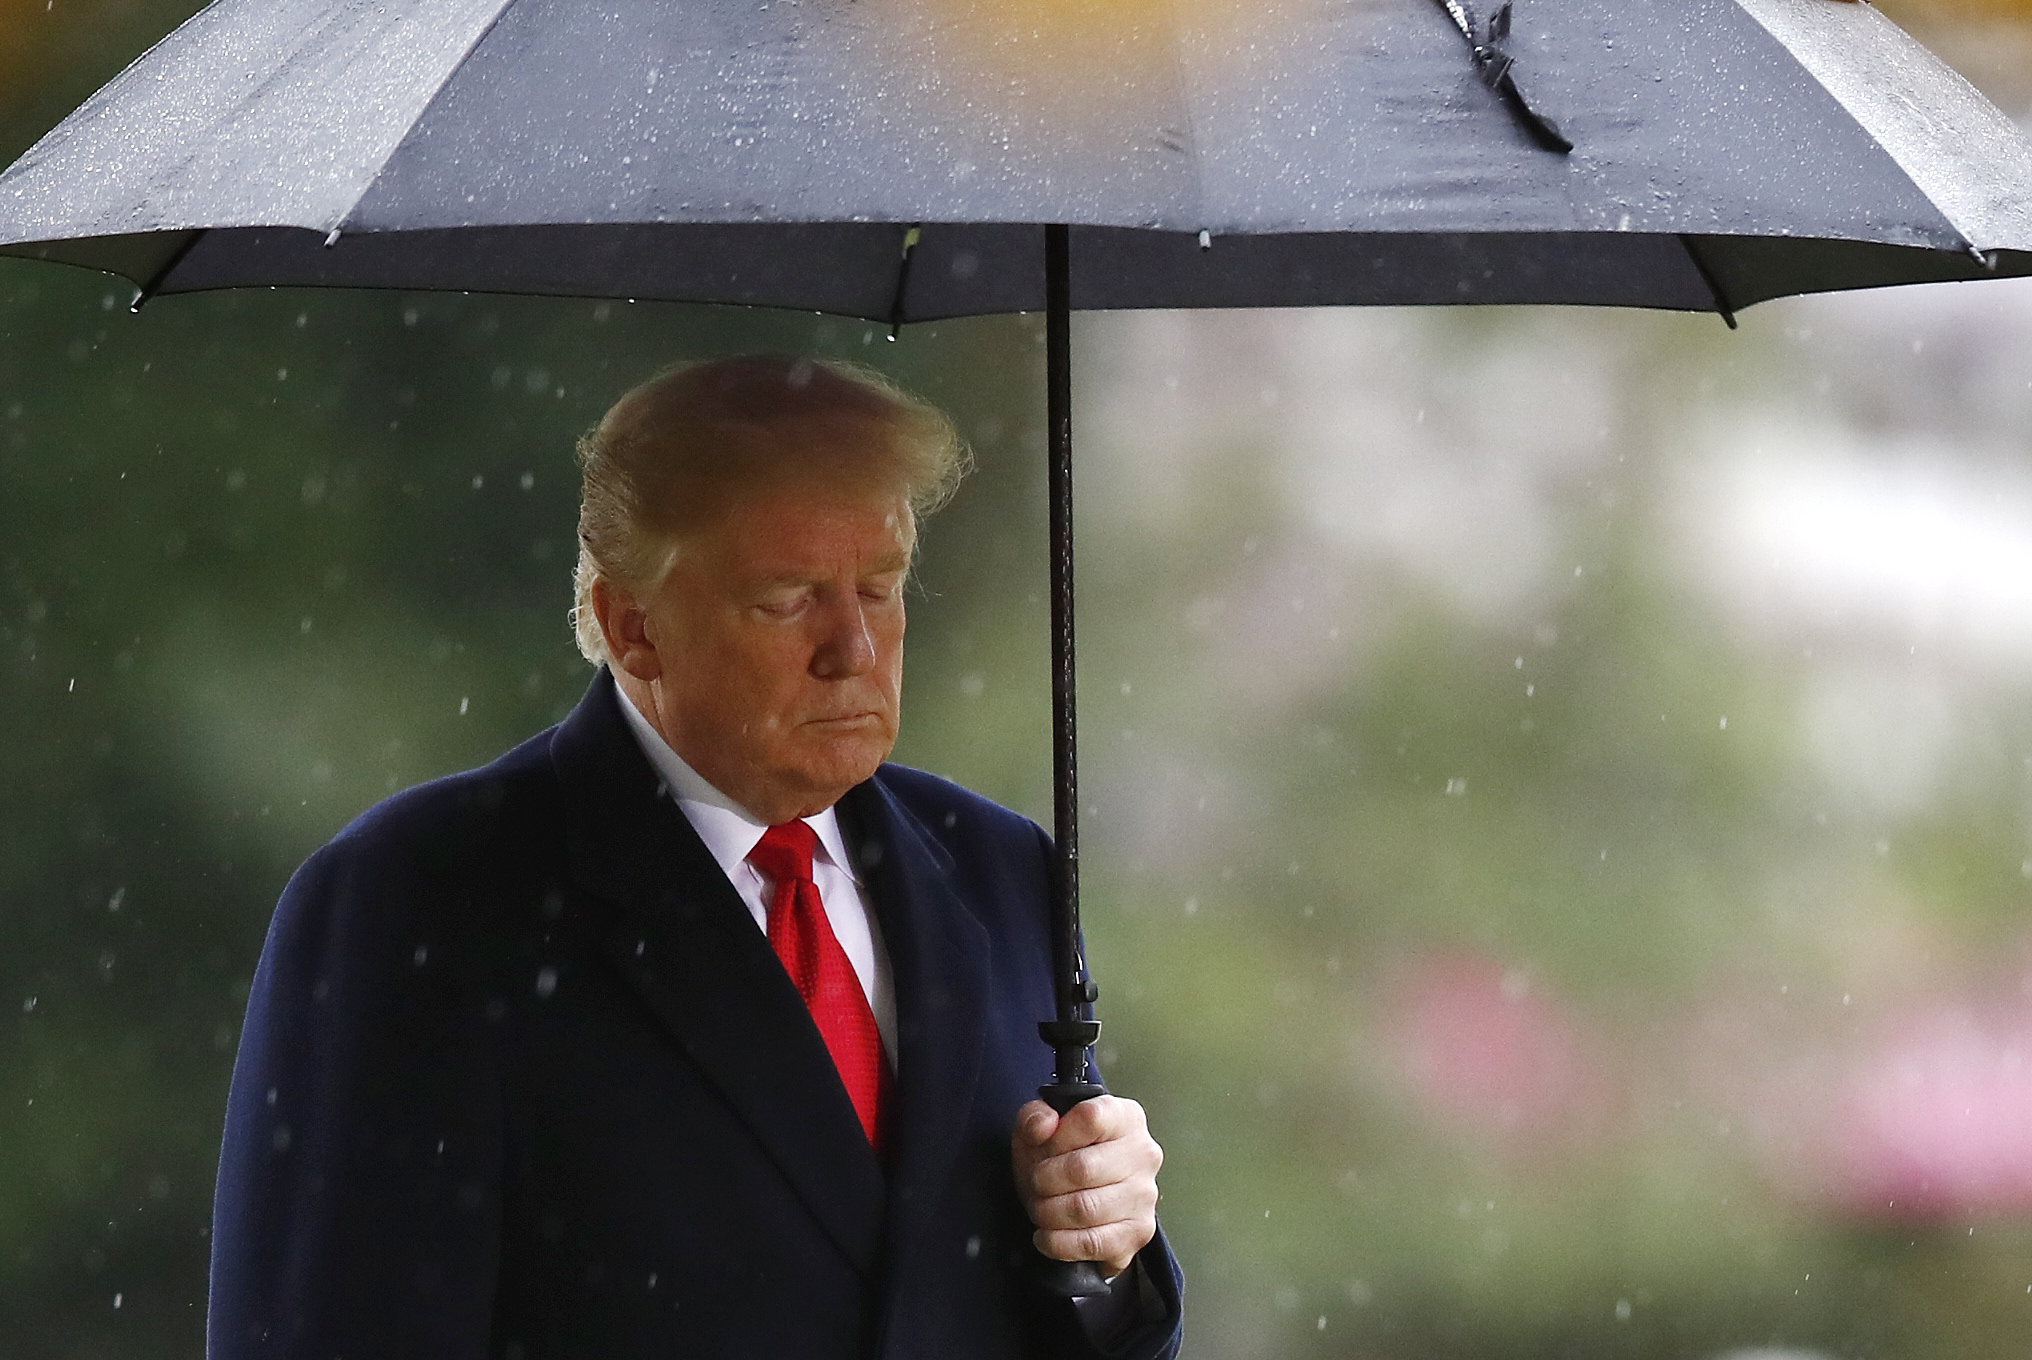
{"x":625,"y":625}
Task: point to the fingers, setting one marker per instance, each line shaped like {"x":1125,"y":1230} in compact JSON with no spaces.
{"x":1114,"y":1246}
{"x":1097,"y":1207}
{"x":1097,"y":1165}
{"x":1098,"y":1143}
{"x":1096,"y":1121}
{"x":1089,"y":1179}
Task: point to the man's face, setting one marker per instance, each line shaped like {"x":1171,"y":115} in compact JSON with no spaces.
{"x":779,"y":641}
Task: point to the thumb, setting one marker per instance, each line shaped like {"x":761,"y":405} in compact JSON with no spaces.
{"x":1036,"y":1122}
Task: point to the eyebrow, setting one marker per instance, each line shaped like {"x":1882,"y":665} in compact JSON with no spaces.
{"x":880,"y":567}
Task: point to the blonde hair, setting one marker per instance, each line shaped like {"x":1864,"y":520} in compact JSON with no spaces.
{"x":662,"y":462}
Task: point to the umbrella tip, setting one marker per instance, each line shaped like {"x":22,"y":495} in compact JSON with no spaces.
{"x":333,"y":239}
{"x":1206,"y":239}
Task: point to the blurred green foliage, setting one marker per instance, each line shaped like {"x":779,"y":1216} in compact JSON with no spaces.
{"x":1479,"y":909}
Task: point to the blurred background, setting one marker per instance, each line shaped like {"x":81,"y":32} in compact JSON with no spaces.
{"x":1561,"y":782}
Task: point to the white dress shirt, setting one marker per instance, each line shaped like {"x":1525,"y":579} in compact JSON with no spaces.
{"x":730,"y":831}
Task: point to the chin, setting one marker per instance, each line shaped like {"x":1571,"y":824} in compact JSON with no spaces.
{"x":844,"y":764}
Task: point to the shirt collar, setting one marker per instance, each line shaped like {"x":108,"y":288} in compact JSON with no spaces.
{"x":729,"y":830}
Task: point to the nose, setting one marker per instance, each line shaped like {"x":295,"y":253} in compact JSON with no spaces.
{"x":846,"y":647}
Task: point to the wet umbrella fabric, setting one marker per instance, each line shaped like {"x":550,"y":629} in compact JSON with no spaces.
{"x":1328,"y":151}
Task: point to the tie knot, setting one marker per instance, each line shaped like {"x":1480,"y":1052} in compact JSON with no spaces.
{"x":784,"y":852}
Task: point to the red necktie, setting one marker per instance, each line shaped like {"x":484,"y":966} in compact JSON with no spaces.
{"x":803,"y":938}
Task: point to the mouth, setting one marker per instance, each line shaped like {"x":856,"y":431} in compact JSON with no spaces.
{"x":837,"y":721}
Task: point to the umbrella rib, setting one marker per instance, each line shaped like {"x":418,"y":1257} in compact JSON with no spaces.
{"x":450,"y":75}
{"x":910,"y":240}
{"x":1707,"y":276}
{"x":152,"y":285}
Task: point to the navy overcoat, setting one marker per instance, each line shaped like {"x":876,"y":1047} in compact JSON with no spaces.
{"x":520,"y":1079}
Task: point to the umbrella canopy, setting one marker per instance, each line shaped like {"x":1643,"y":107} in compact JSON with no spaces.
{"x":1207,"y":153}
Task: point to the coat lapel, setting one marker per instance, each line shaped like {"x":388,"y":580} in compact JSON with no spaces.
{"x":939,"y":955}
{"x":685,"y":942}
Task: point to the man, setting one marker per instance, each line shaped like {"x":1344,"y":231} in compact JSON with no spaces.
{"x":688,"y":1027}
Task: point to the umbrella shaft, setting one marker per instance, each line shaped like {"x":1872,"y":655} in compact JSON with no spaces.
{"x":1073,"y":991}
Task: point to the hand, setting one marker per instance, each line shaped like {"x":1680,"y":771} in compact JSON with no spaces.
{"x":1088,"y":1180}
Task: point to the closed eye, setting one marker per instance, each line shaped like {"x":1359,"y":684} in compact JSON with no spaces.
{"x":783,"y":604}
{"x":882,"y":588}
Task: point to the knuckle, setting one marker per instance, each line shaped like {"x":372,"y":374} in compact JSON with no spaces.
{"x":1094,"y":1244}
{"x":1086,"y":1207}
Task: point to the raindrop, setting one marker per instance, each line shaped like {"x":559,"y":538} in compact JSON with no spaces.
{"x":546,"y":981}
{"x":118,"y":1299}
{"x":465,"y":703}
{"x":1622,"y":1310}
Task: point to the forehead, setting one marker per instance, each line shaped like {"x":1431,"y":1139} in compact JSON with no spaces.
{"x":801,"y":526}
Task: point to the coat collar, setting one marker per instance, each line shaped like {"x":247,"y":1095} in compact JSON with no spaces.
{"x":683,"y":939}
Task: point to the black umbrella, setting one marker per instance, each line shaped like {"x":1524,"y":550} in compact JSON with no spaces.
{"x":904,"y":160}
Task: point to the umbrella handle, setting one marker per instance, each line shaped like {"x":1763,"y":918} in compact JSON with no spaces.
{"x":1070,"y":1279}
